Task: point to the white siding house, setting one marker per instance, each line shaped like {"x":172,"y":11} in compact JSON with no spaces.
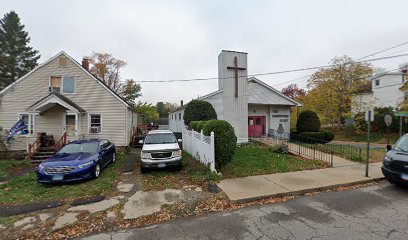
{"x":62,"y":96}
{"x":384,"y":92}
{"x":251,"y":106}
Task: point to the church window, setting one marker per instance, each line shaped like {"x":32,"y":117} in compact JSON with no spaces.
{"x":258,"y":121}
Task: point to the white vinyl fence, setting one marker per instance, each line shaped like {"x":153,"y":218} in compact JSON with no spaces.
{"x":201,"y":147}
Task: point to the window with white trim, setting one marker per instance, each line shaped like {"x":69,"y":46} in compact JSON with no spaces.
{"x":62,"y":84}
{"x":29,"y":122}
{"x":95,"y":123}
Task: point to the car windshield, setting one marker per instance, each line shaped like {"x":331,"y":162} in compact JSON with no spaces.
{"x":402,"y":144}
{"x":160,"y":138}
{"x":89,"y":147}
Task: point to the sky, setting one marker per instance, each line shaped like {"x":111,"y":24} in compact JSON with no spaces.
{"x":165,"y":40}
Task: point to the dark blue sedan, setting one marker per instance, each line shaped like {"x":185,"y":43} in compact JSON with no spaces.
{"x":78,"y":160}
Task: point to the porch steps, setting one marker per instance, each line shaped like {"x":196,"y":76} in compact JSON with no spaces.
{"x":43,"y":153}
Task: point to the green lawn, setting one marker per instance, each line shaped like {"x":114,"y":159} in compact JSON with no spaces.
{"x":8,"y":167}
{"x":25,"y":189}
{"x":193,"y":173}
{"x":257,"y":160}
{"x":362,"y":137}
{"x":376,"y":155}
{"x":349,"y":152}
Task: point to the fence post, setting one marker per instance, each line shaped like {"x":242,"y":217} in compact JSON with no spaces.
{"x":359,"y":153}
{"x":331,"y":158}
{"x":314,"y":152}
{"x":299,"y":148}
{"x":212,"y":164}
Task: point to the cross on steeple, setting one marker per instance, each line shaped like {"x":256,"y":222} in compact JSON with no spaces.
{"x":236,"y":68}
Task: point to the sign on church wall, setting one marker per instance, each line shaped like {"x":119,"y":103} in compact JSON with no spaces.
{"x":280,"y":120}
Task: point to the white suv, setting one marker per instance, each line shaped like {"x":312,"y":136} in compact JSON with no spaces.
{"x":160,"y":150}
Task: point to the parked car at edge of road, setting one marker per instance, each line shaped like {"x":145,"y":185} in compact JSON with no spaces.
{"x":78,"y":160}
{"x":160,"y":149}
{"x":395,"y":163}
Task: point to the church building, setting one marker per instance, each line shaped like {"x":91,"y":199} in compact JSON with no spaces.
{"x":251,"y":106}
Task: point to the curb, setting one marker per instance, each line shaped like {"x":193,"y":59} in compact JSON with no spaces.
{"x":7,"y":211}
{"x":304,"y":191}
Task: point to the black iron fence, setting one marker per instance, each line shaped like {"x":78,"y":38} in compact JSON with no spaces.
{"x":308,"y":147}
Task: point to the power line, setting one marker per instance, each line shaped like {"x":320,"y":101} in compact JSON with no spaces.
{"x":261,"y":93}
{"x":381,"y":51}
{"x":268,"y":73}
{"x":375,"y":53}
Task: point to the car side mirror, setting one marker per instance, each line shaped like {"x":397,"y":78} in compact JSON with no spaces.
{"x":389,"y":147}
{"x":140,"y":141}
{"x":179,"y":140}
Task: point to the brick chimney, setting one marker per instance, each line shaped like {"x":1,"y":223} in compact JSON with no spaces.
{"x":181,"y":102}
{"x":85,"y":63}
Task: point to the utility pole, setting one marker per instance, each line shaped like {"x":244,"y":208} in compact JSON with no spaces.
{"x":368,"y":116}
{"x":368,"y":145}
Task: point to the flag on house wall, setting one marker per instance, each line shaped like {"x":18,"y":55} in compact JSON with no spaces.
{"x":19,"y":125}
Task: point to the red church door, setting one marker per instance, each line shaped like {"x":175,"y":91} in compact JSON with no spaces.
{"x":256,"y":126}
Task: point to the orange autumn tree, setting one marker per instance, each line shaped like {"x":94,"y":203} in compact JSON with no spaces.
{"x":332,"y":87}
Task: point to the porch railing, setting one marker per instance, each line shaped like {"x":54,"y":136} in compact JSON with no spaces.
{"x":61,"y":142}
{"x":32,"y":147}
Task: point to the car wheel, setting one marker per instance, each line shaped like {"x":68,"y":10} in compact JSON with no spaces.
{"x":143,"y":170}
{"x":114,"y":157}
{"x":179,"y":167}
{"x":97,"y":171}
{"x":391,"y":180}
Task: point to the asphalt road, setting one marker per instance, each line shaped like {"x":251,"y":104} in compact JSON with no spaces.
{"x":376,"y":212}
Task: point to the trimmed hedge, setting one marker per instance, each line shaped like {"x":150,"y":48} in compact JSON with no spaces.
{"x":329,"y":135}
{"x":225,"y":140}
{"x":316,"y":137}
{"x":308,"y":122}
{"x":197,"y":125}
{"x":193,"y":125}
{"x":200,"y":125}
{"x":311,"y":136}
{"x":199,"y":110}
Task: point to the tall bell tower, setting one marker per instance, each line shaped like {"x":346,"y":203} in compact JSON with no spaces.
{"x":233,"y":79}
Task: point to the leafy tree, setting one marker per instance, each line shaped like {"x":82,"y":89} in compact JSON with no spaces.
{"x":160,"y":109}
{"x":165,"y":108}
{"x":293,"y":91}
{"x":16,"y":57}
{"x":107,"y":68}
{"x":336,"y":84}
{"x":313,"y":101}
{"x":199,"y":110}
{"x":131,"y":91}
{"x":147,"y":110}
{"x":168,"y":107}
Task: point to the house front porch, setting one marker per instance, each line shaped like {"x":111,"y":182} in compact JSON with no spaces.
{"x":51,"y":123}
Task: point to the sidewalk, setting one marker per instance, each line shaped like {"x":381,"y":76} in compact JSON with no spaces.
{"x":292,"y":183}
